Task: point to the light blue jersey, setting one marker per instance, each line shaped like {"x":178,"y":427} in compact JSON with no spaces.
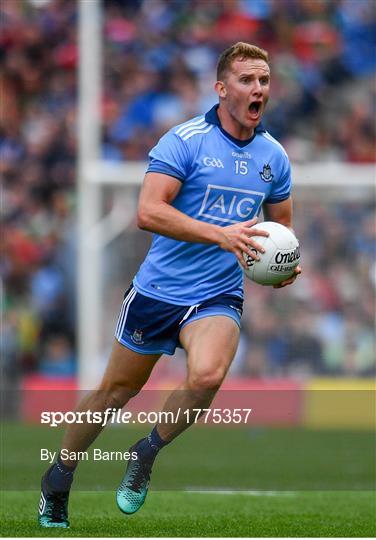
{"x":224,"y":181}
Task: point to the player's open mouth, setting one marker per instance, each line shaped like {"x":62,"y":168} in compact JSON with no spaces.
{"x":255,"y":107}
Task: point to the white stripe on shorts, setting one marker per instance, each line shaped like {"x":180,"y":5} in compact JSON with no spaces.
{"x":189,"y":312}
{"x":124,"y":312}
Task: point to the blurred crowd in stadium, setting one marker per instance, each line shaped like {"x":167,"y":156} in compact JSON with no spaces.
{"x":159,"y":69}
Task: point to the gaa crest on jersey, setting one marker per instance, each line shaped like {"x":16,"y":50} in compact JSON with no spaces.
{"x":213,"y":162}
{"x":266,"y":173}
{"x":137,"y":337}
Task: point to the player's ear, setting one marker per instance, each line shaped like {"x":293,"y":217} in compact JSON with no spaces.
{"x":220,"y":89}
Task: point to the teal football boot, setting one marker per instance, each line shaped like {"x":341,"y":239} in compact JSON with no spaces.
{"x":133,"y":489}
{"x":53,"y":507}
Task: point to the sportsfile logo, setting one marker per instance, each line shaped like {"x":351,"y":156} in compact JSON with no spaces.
{"x":230,"y":205}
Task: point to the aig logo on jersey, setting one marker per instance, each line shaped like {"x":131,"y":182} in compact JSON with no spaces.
{"x":230,"y":205}
{"x":213,"y":162}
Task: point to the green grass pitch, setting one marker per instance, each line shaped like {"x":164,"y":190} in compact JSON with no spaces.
{"x":293,"y":482}
{"x":179,"y":514}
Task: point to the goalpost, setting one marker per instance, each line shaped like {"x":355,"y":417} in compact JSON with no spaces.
{"x":98,"y":228}
{"x":89,"y":106}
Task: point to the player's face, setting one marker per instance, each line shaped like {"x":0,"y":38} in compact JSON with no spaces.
{"x":245,"y":92}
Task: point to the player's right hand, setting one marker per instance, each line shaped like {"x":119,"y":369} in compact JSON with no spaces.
{"x":238,"y":239}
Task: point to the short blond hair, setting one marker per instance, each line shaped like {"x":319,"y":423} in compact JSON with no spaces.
{"x":239,"y":51}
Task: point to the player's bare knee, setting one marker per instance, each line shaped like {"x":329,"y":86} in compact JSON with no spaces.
{"x":115,"y":399}
{"x":206,"y":380}
{"x":114,"y":396}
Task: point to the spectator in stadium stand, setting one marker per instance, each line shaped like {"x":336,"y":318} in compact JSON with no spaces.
{"x":57,"y":359}
{"x":187,"y":294}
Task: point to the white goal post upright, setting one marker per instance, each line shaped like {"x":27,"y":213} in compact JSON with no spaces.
{"x":315,"y":181}
{"x":89,"y":144}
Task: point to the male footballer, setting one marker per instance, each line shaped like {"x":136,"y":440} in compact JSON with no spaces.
{"x":203,"y":190}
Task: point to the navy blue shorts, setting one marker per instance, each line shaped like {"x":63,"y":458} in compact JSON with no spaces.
{"x":150,"y":326}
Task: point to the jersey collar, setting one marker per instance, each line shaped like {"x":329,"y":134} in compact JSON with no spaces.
{"x":211,"y":117}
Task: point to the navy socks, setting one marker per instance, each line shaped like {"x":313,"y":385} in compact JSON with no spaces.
{"x":60,"y":477}
{"x":148,"y":448}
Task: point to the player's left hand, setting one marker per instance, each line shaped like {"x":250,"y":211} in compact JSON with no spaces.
{"x":291,"y":279}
